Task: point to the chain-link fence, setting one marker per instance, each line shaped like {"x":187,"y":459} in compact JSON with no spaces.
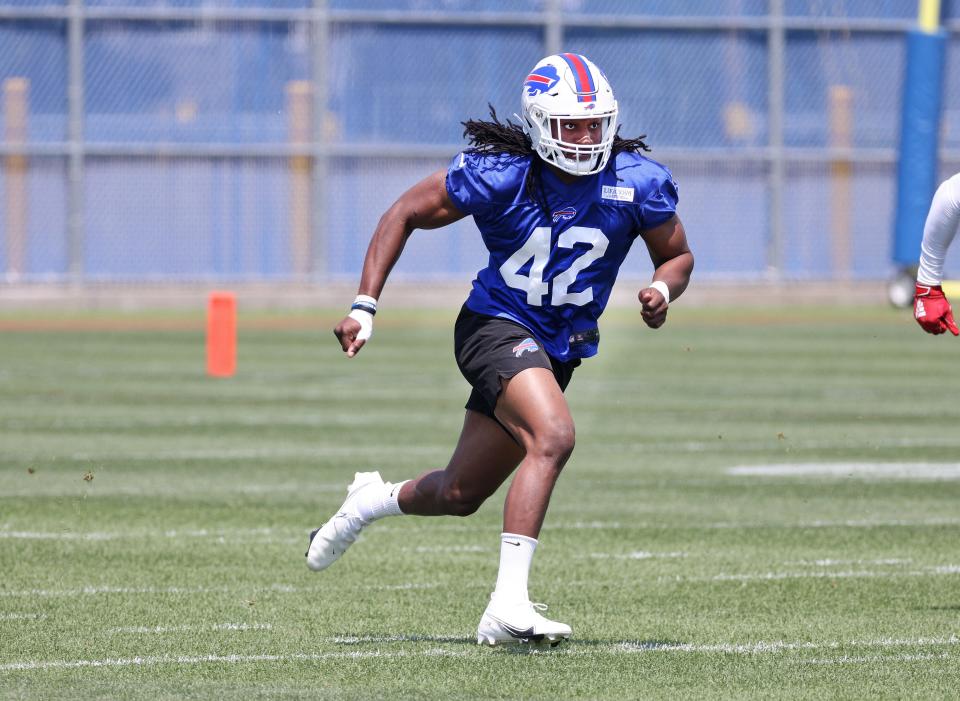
{"x":256,"y":140}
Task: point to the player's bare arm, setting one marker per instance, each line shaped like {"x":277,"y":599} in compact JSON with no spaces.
{"x":671,"y":256}
{"x":424,"y":206}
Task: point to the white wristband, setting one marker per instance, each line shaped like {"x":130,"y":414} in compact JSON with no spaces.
{"x":365,"y":319}
{"x":661,"y":287}
{"x":366,"y":303}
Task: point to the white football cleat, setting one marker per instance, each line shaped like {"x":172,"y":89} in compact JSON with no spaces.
{"x":332,"y":539}
{"x":519,"y":622}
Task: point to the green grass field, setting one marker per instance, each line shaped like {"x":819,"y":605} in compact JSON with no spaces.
{"x":153,"y":521}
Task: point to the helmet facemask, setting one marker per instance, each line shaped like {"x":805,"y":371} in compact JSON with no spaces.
{"x":573,"y":158}
{"x":567,"y":87}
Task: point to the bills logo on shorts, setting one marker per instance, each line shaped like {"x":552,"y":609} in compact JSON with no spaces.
{"x":566,"y":213}
{"x":541,"y":80}
{"x":527,"y":344}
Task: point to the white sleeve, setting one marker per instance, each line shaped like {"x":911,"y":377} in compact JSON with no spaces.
{"x":939,"y":230}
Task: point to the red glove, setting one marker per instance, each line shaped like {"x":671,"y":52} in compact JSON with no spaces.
{"x":932,"y":310}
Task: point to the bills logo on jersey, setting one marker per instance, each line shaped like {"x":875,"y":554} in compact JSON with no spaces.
{"x":563,"y":214}
{"x":527,"y":344}
{"x":541,"y":80}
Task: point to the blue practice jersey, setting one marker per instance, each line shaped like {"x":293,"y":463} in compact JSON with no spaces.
{"x":553,"y":273}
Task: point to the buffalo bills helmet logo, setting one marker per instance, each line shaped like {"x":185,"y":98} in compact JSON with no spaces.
{"x":566,"y":213}
{"x":527,"y":344}
{"x":541,"y":80}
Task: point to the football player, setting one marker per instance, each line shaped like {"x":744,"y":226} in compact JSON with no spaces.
{"x":930,"y":306}
{"x":559,"y":200}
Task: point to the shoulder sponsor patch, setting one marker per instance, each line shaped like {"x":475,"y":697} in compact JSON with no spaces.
{"x":620,"y":194}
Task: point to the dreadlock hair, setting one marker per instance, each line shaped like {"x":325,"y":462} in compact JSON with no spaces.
{"x":508,"y":138}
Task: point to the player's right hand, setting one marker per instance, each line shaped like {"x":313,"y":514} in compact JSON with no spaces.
{"x":932,"y":310}
{"x":653,"y":307}
{"x":354,"y":331}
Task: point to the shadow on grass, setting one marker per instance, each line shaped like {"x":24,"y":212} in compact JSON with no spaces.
{"x":510,"y":649}
{"x":631,"y":644}
{"x":400,"y":639}
{"x":578,"y":644}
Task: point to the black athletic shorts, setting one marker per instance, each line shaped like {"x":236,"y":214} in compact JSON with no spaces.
{"x":489,"y":349}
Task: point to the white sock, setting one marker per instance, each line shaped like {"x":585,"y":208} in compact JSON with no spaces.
{"x":516,"y":555}
{"x":376,"y":502}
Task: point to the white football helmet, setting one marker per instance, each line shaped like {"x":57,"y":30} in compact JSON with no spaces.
{"x":568,"y":86}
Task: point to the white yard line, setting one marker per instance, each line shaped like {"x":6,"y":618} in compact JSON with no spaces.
{"x":757,"y":648}
{"x":450,"y":549}
{"x":362,"y":639}
{"x":379,"y":453}
{"x":275,"y":535}
{"x":119,"y":535}
{"x":588,"y":525}
{"x":932,"y":571}
{"x":367,"y":452}
{"x":636,"y":555}
{"x":740,"y":446}
{"x":847,"y":659}
{"x":856,"y":470}
{"x":846,"y":523}
{"x":776,"y":646}
{"x":216,"y":659}
{"x":22,"y":616}
{"x":828,"y":562}
{"x":96,"y":590}
{"x":724,"y":525}
{"x":128,"y":488}
{"x":46,"y":535}
{"x":185,"y":628}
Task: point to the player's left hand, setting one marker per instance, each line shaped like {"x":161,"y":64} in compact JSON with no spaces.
{"x":653,"y":307}
{"x":932,"y":310}
{"x":354,"y":331}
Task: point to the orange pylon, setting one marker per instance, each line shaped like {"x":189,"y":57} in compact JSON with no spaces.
{"x":222,"y":334}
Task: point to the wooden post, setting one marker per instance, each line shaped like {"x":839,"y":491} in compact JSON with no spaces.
{"x":15,"y":100}
{"x":841,"y":177}
{"x":300,"y":127}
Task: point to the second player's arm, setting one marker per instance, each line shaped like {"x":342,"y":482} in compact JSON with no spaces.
{"x":931,"y":308}
{"x":424,"y":206}
{"x":673,"y":263}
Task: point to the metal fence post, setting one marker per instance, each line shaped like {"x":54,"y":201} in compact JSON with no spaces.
{"x":75,"y":139}
{"x":776,"y":46}
{"x":840,"y":111}
{"x":16,"y":93}
{"x":553,"y":31}
{"x":299,"y":133}
{"x":321,"y":38}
